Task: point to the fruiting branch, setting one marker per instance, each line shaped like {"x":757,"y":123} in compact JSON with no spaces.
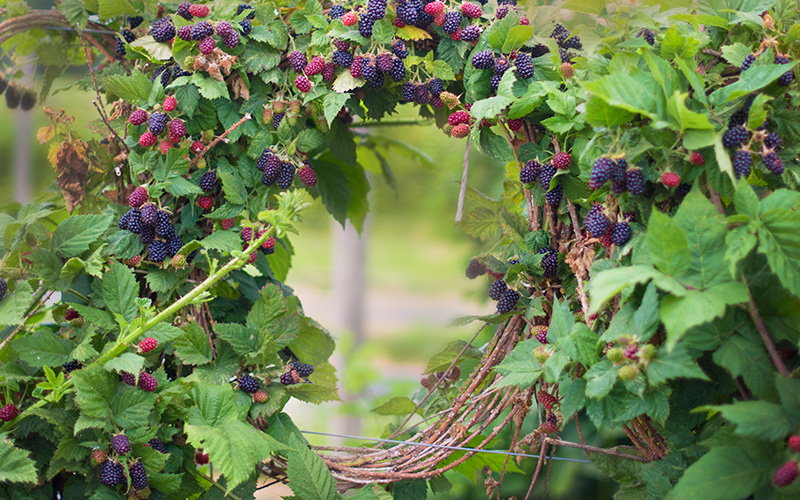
{"x":196,"y":159}
{"x":762,"y":330}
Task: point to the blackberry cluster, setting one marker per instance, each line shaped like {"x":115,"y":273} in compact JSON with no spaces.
{"x":483,"y":60}
{"x":735,"y":136}
{"x":621,"y":233}
{"x":475,"y":269}
{"x":648,"y":35}
{"x":157,"y":445}
{"x":121,"y":444}
{"x":742,"y":163}
{"x":71,"y":366}
{"x":138,"y":476}
{"x":560,"y":33}
{"x":507,"y":301}
{"x":248,"y":384}
{"x":524,"y":65}
{"x":549,"y":261}
{"x":573,"y":43}
{"x":530,"y":172}
{"x":163,"y":30}
{"x":302,"y":369}
{"x":157,"y":123}
{"x":601,"y":172}
{"x":497,"y":289}
{"x":111,"y":473}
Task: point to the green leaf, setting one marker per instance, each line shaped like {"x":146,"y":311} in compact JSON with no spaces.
{"x":15,"y":464}
{"x":43,"y":349}
{"x":489,"y":108}
{"x":745,"y":357}
{"x":132,"y":408}
{"x":270,"y":315}
{"x":442,"y":360}
{"x":134,"y":88}
{"x":94,"y":389}
{"x":332,"y":104}
{"x":194,"y":348}
{"x":126,"y":362}
{"x":333,"y":188}
{"x":396,"y":406}
{"x":313,"y":393}
{"x":224,"y":241}
{"x":14,"y":306}
{"x":614,"y":89}
{"x":519,"y":368}
{"x":779,"y":241}
{"x":758,"y":419}
{"x":679,"y":314}
{"x":313,"y":344}
{"x":608,"y":283}
{"x":705,"y":231}
{"x":120,"y":291}
{"x":114,"y":8}
{"x":309,"y":477}
{"x":410,"y":489}
{"x":601,"y":378}
{"x":580,"y":345}
{"x":668,"y":245}
{"x":670,"y":365}
{"x":755,"y":78}
{"x":676,"y":46}
{"x":517,"y":36}
{"x":73,"y":236}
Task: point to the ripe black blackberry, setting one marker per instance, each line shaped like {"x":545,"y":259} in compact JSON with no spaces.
{"x":621,"y":233}
{"x":246,"y":26}
{"x":597,"y":224}
{"x":128,"y":35}
{"x":276,"y":120}
{"x":302,"y":369}
{"x":773,"y":163}
{"x":69,"y":366}
{"x":564,"y":56}
{"x":618,"y":170}
{"x":748,"y":61}
{"x":497,"y":289}
{"x":742,"y":163}
{"x":648,"y":35}
{"x":163,"y":73}
{"x":261,"y":163}
{"x":365,"y":25}
{"x":123,"y":221}
{"x":298,"y":61}
{"x":28,"y":100}
{"x":135,"y":21}
{"x":148,"y":234}
{"x":138,"y":476}
{"x":735,"y":136}
{"x":174,"y":245}
{"x":551,"y":418}
{"x":560,"y":33}
{"x":157,"y":251}
{"x":121,"y":444}
{"x":773,"y":141}
{"x":111,"y":473}
{"x":157,"y":445}
{"x":554,"y":196}
{"x":549,"y":261}
{"x":530,"y":172}
{"x":507,"y":301}
{"x":376,"y":9}
{"x":286,"y":176}
{"x":3,"y":288}
{"x":13,"y":97}
{"x":248,"y":384}
{"x":202,"y":30}
{"x":546,"y":174}
{"x":120,"y":49}
{"x":421,"y":94}
{"x":369,"y":70}
{"x":163,"y":30}
{"x":135,"y":223}
{"x":501,"y":65}
{"x":399,"y":49}
{"x":634,"y":180}
{"x":524,"y":66}
{"x":409,"y":91}
{"x":407,"y":13}
{"x":475,"y":269}
{"x":208,"y":181}
{"x":183,"y":10}
{"x":682,"y":190}
{"x":435,"y":86}
{"x":342,"y":59}
{"x":337,"y":11}
{"x":164,"y":225}
{"x":157,"y":123}
{"x":573,"y":43}
{"x":601,"y":172}
{"x":378,"y":81}
{"x":494,"y":82}
{"x":452,"y":21}
{"x":483,"y":60}
{"x":787,"y":78}
{"x":398,"y":72}
{"x":251,"y":14}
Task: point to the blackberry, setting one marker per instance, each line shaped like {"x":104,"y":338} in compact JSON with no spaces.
{"x":183,"y":10}
{"x":297,"y":60}
{"x":288,"y":378}
{"x":601,"y":172}
{"x":13,"y":96}
{"x":224,"y":29}
{"x":157,"y":445}
{"x":302,"y":369}
{"x":452,"y":21}
{"x":787,"y":78}
{"x":71,"y":366}
{"x":252,"y":13}
{"x":549,"y":261}
{"x":307,"y":175}
{"x":634,"y":180}
{"x":435,"y":86}
{"x":742,"y":162}
{"x":276,"y":120}
{"x":135,"y":21}
{"x":475,"y":269}
{"x":773,"y":141}
{"x":336,"y":12}
{"x":786,"y":474}
{"x":621,"y":233}
{"x":546,"y":175}
{"x":314,"y":66}
{"x":138,"y":196}
{"x":501,"y":12}
{"x":384,"y":62}
{"x":135,"y":223}
{"x":120,"y":49}
{"x":562,"y":160}
{"x":541,"y":334}
{"x":483,"y":60}
{"x":376,"y":9}
{"x":497,"y":289}
{"x":174,"y":245}
{"x":147,"y":382}
{"x":164,"y":225}
{"x":207,"y":45}
{"x":28,"y":100}
{"x":286,"y":176}
{"x":507,"y":301}
{"x":248,"y":384}
{"x":176,"y":130}
{"x":573,"y":43}
{"x":501,"y":65}
{"x":407,"y":13}
{"x":398,"y":72}
{"x":128,"y":35}
{"x":560,"y":33}
{"x":163,"y":30}
{"x":191,"y":256}
{"x":302,"y":83}
{"x":377,"y":82}
{"x":157,"y":123}
{"x":530,"y":172}
{"x":597,"y":224}
{"x":121,"y":444}
{"x":471,"y":33}
{"x":123,"y":221}
{"x":773,"y":163}
{"x":618,"y":170}
{"x":551,"y":418}
{"x":271,"y":172}
{"x":232,"y":40}
{"x":682,"y":190}
{"x":342,"y":59}
{"x":365,"y":25}
{"x":564,"y":56}
{"x":157,"y":251}
{"x":148,"y":234}
{"x":409,"y":91}
{"x":9,"y":412}
{"x":111,"y":473}
{"x":619,"y":187}
{"x":524,"y":66}
{"x":748,"y":60}
{"x":138,"y":476}
{"x":246,"y":26}
{"x":494,"y":82}
{"x":648,"y":35}
{"x":554,"y":196}
{"x":127,"y":378}
{"x":735,"y":136}
{"x":399,"y":49}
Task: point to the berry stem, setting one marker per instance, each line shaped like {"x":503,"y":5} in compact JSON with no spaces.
{"x":246,"y":117}
{"x":762,"y":330}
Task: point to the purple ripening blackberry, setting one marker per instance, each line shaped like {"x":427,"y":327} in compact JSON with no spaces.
{"x":208,"y":181}
{"x":3,"y":288}
{"x":773,"y":163}
{"x":158,"y":445}
{"x":157,"y":123}
{"x":474,"y":269}
{"x":163,"y":30}
{"x":202,"y":30}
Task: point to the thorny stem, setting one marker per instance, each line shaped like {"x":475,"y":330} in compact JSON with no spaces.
{"x":762,"y":330}
{"x":594,"y":449}
{"x":220,"y":137}
{"x":127,"y":340}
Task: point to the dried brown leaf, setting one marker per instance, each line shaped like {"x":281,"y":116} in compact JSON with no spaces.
{"x":73,"y":170}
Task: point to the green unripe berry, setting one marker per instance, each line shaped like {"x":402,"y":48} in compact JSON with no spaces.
{"x":627,"y":373}
{"x":615,"y":355}
{"x":647,"y":352}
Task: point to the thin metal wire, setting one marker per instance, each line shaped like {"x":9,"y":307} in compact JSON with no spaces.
{"x":446,"y":447}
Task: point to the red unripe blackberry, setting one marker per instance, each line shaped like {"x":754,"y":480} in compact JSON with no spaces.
{"x":314,"y":67}
{"x":562,"y":161}
{"x":201,"y":458}
{"x":253,"y":256}
{"x":458,"y":117}
{"x":460,"y":131}
{"x":147,"y":344}
{"x":138,"y":197}
{"x":177,"y":130}
{"x":71,"y":314}
{"x":483,"y":59}
{"x":99,"y":456}
{"x":541,"y":334}
{"x":248,"y":384}
{"x":497,"y":289}
{"x":8,"y":412}
{"x":138,"y":117}
{"x":794,"y":443}
{"x":307,"y":175}
{"x":697,"y":159}
{"x":138,"y":476}
{"x":207,"y":45}
{"x":157,"y":445}
{"x":164,"y":146}
{"x":185,"y":33}
{"x":111,"y":473}
{"x":356,"y":68}
{"x":634,"y":180}
{"x":601,"y":172}
{"x":260,"y":397}
{"x":199,"y":10}
{"x":631,"y":352}
{"x":546,"y":399}
{"x":548,"y":428}
{"x":621,"y":233}
{"x":670,"y":179}
{"x":205,"y":202}
{"x":121,"y":444}
{"x":228,"y":223}
{"x":435,"y":7}
{"x":471,"y":10}
{"x":247,"y":234}
{"x":147,"y":139}
{"x":208,"y":181}
{"x":786,"y":474}
{"x":169,"y":103}
{"x":147,"y":382}
{"x":349,"y":19}
{"x":197,"y":147}
{"x":475,"y":269}
{"x":302,"y":83}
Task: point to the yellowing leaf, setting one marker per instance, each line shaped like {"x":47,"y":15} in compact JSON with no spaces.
{"x":413,"y":33}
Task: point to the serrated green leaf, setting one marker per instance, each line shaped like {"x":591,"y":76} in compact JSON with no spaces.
{"x":15,"y":464}
{"x":43,"y":348}
{"x":309,"y":477}
{"x":126,"y":362}
{"x":520,"y":368}
{"x":194,"y":348}
{"x":73,"y":236}
{"x":669,"y":247}
{"x":399,"y":405}
{"x":675,"y":364}
{"x":120,"y":291}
